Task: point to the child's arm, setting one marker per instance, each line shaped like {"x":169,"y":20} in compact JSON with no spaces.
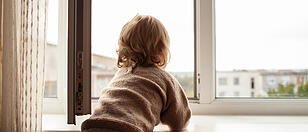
{"x":177,"y":112}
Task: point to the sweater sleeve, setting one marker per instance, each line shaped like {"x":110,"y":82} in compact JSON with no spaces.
{"x":177,"y":112}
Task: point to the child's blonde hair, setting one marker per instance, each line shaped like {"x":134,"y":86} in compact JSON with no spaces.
{"x":143,"y":41}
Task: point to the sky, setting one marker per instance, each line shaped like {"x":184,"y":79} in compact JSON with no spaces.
{"x":261,"y":34}
{"x":250,"y":34}
{"x":109,"y":17}
{"x":52,"y":23}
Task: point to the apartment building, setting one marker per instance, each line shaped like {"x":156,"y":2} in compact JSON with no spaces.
{"x":238,"y":83}
{"x":256,"y":83}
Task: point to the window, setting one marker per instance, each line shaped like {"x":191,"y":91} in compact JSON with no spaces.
{"x":222,"y":81}
{"x":55,"y":92}
{"x":206,"y":62}
{"x":100,"y":82}
{"x":237,"y":39}
{"x":236,"y":81}
{"x":102,"y":62}
{"x":51,"y":75}
{"x":271,"y":80}
{"x":248,"y":38}
{"x":285,"y":80}
{"x":252,"y":83}
{"x":103,"y":70}
{"x":51,"y":57}
{"x":106,"y":28}
{"x":236,"y":93}
{"x":50,"y":89}
{"x":222,"y":94}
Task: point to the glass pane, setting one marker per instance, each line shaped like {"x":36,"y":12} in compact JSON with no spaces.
{"x":108,"y":18}
{"x":50,"y":89}
{"x":52,"y":49}
{"x":51,"y":75}
{"x":261,"y":48}
{"x":54,"y":113}
{"x":52,"y":23}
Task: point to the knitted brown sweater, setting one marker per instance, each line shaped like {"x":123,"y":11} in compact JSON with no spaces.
{"x":139,"y":99}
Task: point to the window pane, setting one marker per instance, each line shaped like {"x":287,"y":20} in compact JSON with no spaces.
{"x":52,"y":23}
{"x":222,"y":81}
{"x":54,"y":113}
{"x":262,"y":45}
{"x":52,"y":52}
{"x":108,"y":18}
{"x":236,"y":81}
{"x":50,"y":89}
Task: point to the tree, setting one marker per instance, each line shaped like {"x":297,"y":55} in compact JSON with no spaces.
{"x":282,"y":91}
{"x":187,"y":84}
{"x":288,"y":90}
{"x":302,"y":90}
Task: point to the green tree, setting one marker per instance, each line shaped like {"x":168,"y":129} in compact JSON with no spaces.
{"x":187,"y":84}
{"x":282,"y":91}
{"x":302,"y":90}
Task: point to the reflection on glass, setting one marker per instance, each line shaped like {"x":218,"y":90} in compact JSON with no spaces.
{"x":261,"y":46}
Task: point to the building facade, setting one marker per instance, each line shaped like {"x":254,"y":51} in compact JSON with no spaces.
{"x":236,"y":83}
{"x":241,"y":83}
{"x":256,"y":83}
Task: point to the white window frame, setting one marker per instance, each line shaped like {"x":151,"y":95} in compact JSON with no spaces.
{"x":207,"y":104}
{"x":206,"y":71}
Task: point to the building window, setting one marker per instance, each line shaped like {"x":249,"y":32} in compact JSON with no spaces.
{"x":222,"y":81}
{"x":236,"y":81}
{"x":271,"y":81}
{"x":252,"y":82}
{"x":252,"y":94}
{"x":222,"y":94}
{"x":50,"y":89}
{"x":236,"y":93}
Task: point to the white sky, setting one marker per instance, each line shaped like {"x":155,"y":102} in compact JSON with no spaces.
{"x":52,"y":24}
{"x":261,"y":34}
{"x":250,"y":34}
{"x":176,"y":15}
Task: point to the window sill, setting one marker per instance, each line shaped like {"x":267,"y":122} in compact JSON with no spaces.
{"x":205,"y":123}
{"x":58,"y":123}
{"x":251,"y":107}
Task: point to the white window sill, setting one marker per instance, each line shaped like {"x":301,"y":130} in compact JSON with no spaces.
{"x":201,"y":123}
{"x":58,"y":123}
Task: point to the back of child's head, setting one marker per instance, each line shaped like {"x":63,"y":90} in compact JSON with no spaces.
{"x":143,"y":41}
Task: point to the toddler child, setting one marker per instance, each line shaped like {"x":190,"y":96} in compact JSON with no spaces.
{"x":141,"y":94}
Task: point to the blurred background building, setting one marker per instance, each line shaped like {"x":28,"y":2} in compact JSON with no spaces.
{"x":230,"y":84}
